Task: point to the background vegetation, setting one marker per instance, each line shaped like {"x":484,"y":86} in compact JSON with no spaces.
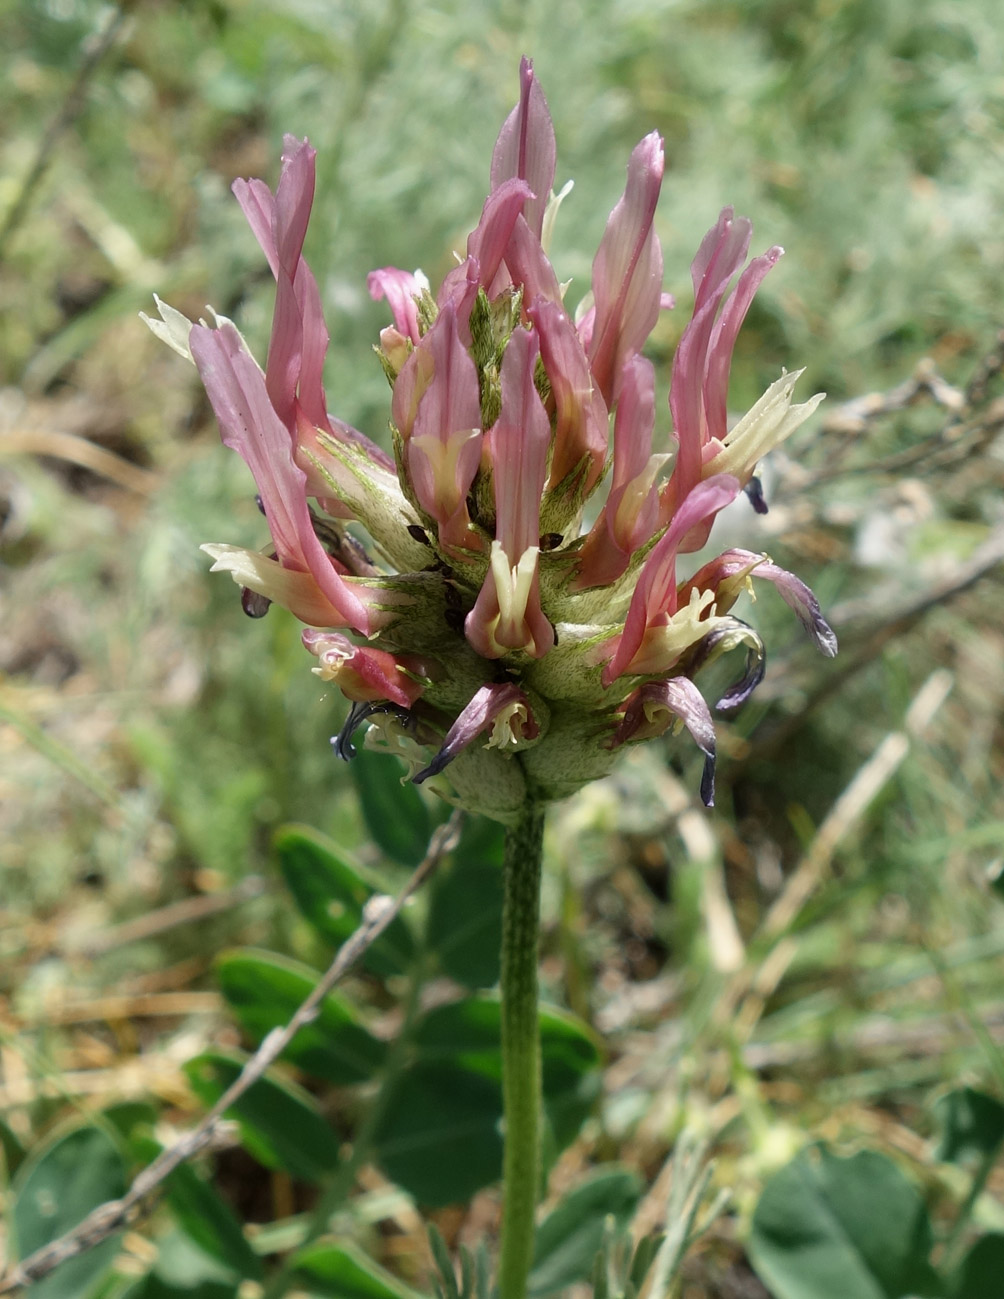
{"x":153,"y":740}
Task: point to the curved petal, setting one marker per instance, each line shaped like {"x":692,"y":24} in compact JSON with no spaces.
{"x":800,"y":599}
{"x":359,"y":713}
{"x":655,"y":597}
{"x":400,"y":288}
{"x":504,"y":708}
{"x":732,"y":571}
{"x":363,"y":673}
{"x":729,"y":635}
{"x":250,"y":426}
{"x":653,"y":708}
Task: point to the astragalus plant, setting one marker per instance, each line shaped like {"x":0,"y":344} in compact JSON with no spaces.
{"x":505,"y":649}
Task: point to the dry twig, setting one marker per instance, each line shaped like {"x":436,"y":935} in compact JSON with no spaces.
{"x":108,"y":1218}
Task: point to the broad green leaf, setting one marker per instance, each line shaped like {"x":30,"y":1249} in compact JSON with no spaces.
{"x":331,"y":895}
{"x":439,"y":1135}
{"x":972,"y":1125}
{"x":828,"y":1226}
{"x":280,"y":1123}
{"x":568,"y":1239}
{"x":205,"y":1217}
{"x":264,"y":990}
{"x":469,"y":1032}
{"x":343,"y":1271}
{"x":56,"y":1187}
{"x":394,"y":813}
{"x":465,"y":912}
{"x":981,"y":1275}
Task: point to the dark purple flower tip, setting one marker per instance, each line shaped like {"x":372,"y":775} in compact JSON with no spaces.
{"x":738,"y":693}
{"x":439,"y":763}
{"x":733,"y":633}
{"x":754,"y":490}
{"x":358,"y":713}
{"x":708,"y":780}
{"x":253,"y":603}
{"x":801,"y":601}
{"x":823,"y":635}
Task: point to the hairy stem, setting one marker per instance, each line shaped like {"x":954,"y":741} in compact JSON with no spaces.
{"x":520,"y":1047}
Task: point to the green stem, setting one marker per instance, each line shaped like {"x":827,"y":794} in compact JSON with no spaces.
{"x":520,"y":1047}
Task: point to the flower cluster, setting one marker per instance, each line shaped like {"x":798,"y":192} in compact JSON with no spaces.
{"x":451,"y":591}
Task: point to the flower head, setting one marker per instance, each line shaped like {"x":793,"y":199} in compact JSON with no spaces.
{"x":497,"y":646}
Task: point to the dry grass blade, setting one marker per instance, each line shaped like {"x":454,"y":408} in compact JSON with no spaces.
{"x":79,"y":451}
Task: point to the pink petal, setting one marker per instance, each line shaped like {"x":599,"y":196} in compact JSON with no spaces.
{"x":443,"y":449}
{"x":507,"y":614}
{"x":487,"y":242}
{"x":250,"y":426}
{"x":279,"y":224}
{"x":258,"y":205}
{"x":655,"y":598}
{"x":400,"y":288}
{"x":628,"y":519}
{"x":299,"y":342}
{"x":723,"y":250}
{"x":582,"y":426}
{"x":528,"y":265}
{"x":699,"y":388}
{"x":517,"y":446}
{"x":627,"y":269}
{"x":723,"y":339}
{"x":313,"y":348}
{"x":525,"y":148}
{"x":363,"y":673}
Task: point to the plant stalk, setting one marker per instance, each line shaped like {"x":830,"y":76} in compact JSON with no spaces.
{"x":521,"y":1092}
